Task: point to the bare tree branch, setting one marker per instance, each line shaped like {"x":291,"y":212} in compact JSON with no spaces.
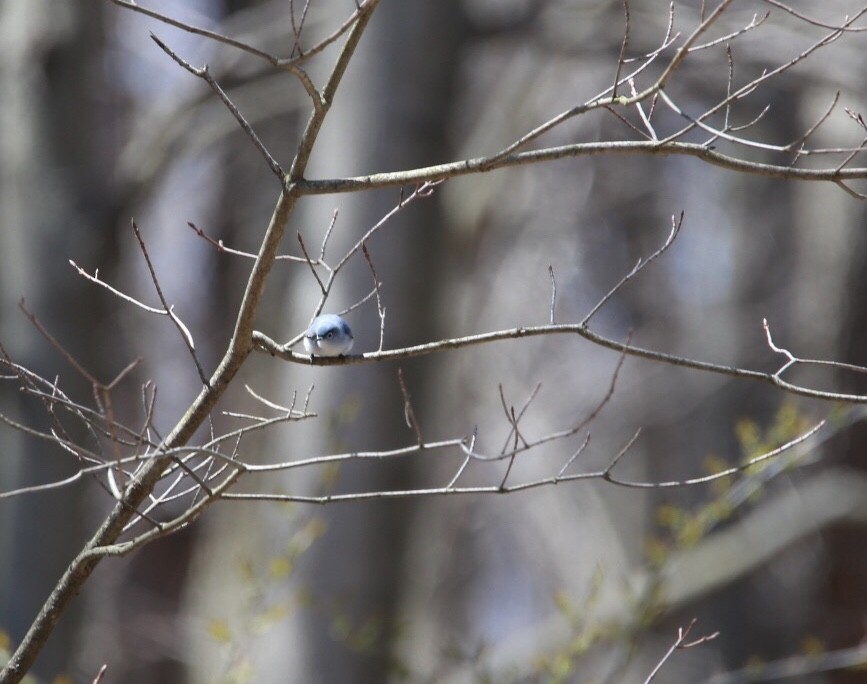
{"x":627,"y":147}
{"x":145,"y":471}
{"x":266,"y":344}
{"x":680,"y":643}
{"x":182,"y":329}
{"x":205,"y":75}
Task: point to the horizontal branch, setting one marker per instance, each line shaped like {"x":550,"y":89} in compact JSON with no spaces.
{"x":263,"y":343}
{"x":649,"y":147}
{"x":502,"y":488}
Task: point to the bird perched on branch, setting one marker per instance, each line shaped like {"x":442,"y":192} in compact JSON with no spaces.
{"x":328,"y":335}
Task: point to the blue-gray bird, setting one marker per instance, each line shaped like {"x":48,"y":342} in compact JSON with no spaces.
{"x":328,"y":335}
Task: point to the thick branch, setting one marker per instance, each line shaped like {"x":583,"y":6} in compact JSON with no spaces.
{"x":266,"y":344}
{"x":238,"y":349}
{"x":483,"y":164}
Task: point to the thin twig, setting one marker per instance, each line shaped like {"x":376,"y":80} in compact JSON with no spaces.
{"x":288,"y":411}
{"x":792,"y":359}
{"x":850,"y":191}
{"x":99,"y":675}
{"x":514,"y":432}
{"x":292,"y":65}
{"x":363,"y":6}
{"x":450,"y":489}
{"x":182,"y":329}
{"x":645,"y":118}
{"x":552,"y":319}
{"x":331,"y":225}
{"x":799,"y":142}
{"x":676,"y":224}
{"x":815,"y":22}
{"x":755,"y":22}
{"x":379,"y":308}
{"x":221,"y":247}
{"x":512,"y":418}
{"x":571,"y":459}
{"x":623,"y":45}
{"x":716,"y":132}
{"x":408,"y":411}
{"x":715,"y":476}
{"x":766,"y":75}
{"x":310,"y":264}
{"x":57,"y":346}
{"x":680,"y":643}
{"x":205,"y":75}
{"x":95,"y":279}
{"x":466,"y":461}
{"x":857,"y":118}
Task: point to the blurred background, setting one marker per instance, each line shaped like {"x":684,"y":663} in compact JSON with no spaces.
{"x":584,"y":581}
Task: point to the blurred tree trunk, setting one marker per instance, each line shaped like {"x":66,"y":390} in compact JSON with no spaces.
{"x":57,"y":202}
{"x":391,"y":113}
{"x":844,"y":590}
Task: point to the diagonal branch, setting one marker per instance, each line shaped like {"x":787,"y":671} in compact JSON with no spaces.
{"x":238,"y":349}
{"x":182,"y":329}
{"x":205,"y":75}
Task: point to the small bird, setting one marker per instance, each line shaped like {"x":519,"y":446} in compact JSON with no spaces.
{"x":328,"y":335}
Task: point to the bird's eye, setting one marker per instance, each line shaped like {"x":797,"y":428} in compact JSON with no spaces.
{"x":329,"y":334}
